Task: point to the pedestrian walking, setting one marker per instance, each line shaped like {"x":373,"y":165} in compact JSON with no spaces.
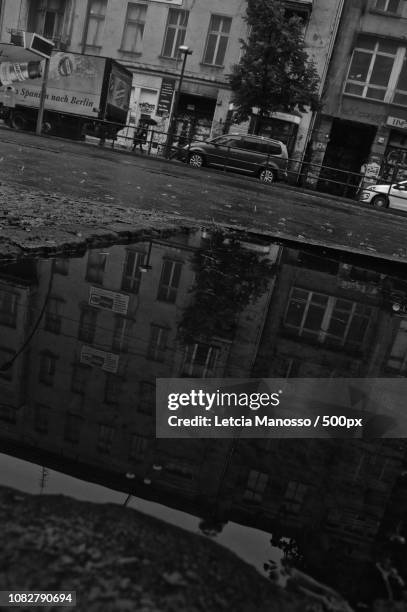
{"x":140,"y":138}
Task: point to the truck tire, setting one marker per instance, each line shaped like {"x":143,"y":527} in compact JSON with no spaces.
{"x":18,"y":121}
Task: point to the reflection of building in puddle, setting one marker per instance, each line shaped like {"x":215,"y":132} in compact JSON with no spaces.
{"x":117,"y":320}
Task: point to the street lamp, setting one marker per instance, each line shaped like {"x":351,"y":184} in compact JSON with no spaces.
{"x":185,"y":51}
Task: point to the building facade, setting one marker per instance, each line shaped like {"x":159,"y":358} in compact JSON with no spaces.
{"x":145,"y":36}
{"x":364,"y":117}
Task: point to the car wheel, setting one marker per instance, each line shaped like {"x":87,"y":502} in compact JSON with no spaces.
{"x":196,"y":160}
{"x":18,"y":122}
{"x":380,"y":201}
{"x":267,"y":176}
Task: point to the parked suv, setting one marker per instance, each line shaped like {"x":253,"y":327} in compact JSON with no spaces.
{"x":262,"y":157}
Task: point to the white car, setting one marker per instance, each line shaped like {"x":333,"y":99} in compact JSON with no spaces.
{"x":386,"y":196}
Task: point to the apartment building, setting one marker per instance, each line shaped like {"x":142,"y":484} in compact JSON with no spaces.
{"x":364,"y":116}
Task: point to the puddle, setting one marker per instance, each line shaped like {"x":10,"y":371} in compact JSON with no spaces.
{"x":83,"y":340}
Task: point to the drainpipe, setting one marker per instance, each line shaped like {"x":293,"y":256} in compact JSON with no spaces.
{"x":86,"y":28}
{"x":332,"y":41}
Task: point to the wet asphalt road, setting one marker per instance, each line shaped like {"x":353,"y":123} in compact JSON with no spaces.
{"x":64,"y":168}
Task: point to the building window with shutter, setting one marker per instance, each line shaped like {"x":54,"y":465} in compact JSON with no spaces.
{"x":200,"y":360}
{"x":48,"y":363}
{"x":96,"y":267}
{"x":53,"y":315}
{"x":217,"y":40}
{"x":95,"y":24}
{"x":175,"y":32}
{"x":87,"y":325}
{"x":256,"y":486}
{"x":158,"y":343}
{"x":169,"y":281}
{"x":8,"y":308}
{"x":132,"y":273}
{"x":132,"y":40}
{"x":105,"y":438}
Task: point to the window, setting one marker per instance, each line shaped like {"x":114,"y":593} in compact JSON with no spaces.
{"x":80,"y":376}
{"x":387,"y":6}
{"x":72,"y":430}
{"x":61,"y":266}
{"x":294,"y":496}
{"x":47,"y":368}
{"x":397,"y":359}
{"x":134,"y":28}
{"x":256,"y":486}
{"x":138,"y":446}
{"x":158,"y":343}
{"x":121,"y":334}
{"x":96,"y":267}
{"x":8,"y":414}
{"x":41,"y":413}
{"x":146,"y":397}
{"x":112,"y":389}
{"x":53,"y":315}
{"x":169,"y":281}
{"x":370,"y":69}
{"x":6,"y":355}
{"x":105,"y":438}
{"x":400,"y":95}
{"x":326,"y":319}
{"x":96,"y":19}
{"x":8,"y":308}
{"x":87,"y":325}
{"x":216,"y":43}
{"x":175,"y":32}
{"x":199,"y":360}
{"x":132,"y":273}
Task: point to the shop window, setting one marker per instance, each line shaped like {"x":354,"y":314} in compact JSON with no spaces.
{"x":387,"y":6}
{"x":371,"y":68}
{"x":8,"y":308}
{"x":72,"y":430}
{"x":48,"y":363}
{"x":53,"y":315}
{"x":96,"y":267}
{"x":326,"y":319}
{"x":175,"y":32}
{"x":158,"y":342}
{"x":134,"y":28}
{"x":105,"y":438}
{"x":200,"y":360}
{"x":95,"y":25}
{"x":169,"y":281}
{"x":132,"y":273}
{"x":217,"y":40}
{"x":256,"y":486}
{"x":87,"y":325}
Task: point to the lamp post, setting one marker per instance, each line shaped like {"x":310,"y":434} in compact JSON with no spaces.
{"x":185,"y":51}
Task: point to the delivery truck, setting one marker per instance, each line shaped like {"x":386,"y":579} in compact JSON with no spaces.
{"x":85,"y":94}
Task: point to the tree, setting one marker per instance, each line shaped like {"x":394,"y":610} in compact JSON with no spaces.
{"x":274,"y":72}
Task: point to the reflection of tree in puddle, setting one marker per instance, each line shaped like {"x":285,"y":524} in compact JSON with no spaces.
{"x":227,"y":278}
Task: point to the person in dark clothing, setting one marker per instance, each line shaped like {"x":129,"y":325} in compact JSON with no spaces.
{"x":140,"y":137}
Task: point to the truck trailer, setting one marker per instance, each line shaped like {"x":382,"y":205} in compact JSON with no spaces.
{"x":85,"y":94}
